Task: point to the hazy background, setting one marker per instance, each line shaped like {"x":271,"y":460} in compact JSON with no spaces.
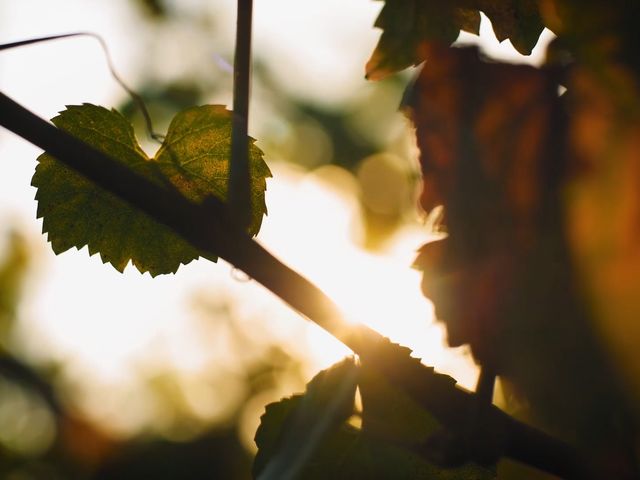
{"x":104,"y":373}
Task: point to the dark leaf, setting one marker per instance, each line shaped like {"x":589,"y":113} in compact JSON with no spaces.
{"x":516,"y":20}
{"x":484,"y":132}
{"x":409,"y":26}
{"x":406,"y":26}
{"x":494,"y":153}
{"x":468,"y":19}
{"x":390,"y":444}
{"x":291,"y":430}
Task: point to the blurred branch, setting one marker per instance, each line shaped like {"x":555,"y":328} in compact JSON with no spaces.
{"x":208,"y":227}
{"x":24,"y":375}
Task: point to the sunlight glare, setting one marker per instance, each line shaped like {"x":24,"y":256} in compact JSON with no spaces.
{"x":377,"y":289}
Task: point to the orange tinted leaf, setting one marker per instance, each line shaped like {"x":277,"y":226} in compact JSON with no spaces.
{"x":486,"y":135}
{"x":492,"y":139}
{"x":483,"y":130}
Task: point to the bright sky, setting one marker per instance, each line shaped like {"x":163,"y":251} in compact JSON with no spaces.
{"x":104,"y":324}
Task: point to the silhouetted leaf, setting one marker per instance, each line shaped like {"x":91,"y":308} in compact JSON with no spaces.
{"x":408,"y":26}
{"x":417,"y":420}
{"x":194,"y":158}
{"x":516,"y":20}
{"x":391,"y":414}
{"x":291,"y":430}
{"x":485,"y":132}
{"x":394,"y":430}
{"x":494,"y":154}
{"x":400,"y":431}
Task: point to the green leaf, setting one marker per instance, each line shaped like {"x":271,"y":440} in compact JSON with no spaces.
{"x":392,"y":414}
{"x":403,"y":429}
{"x":194,"y":158}
{"x":290,"y":430}
{"x":408,"y":26}
{"x":394,"y":429}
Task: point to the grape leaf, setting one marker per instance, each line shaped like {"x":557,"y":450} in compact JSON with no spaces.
{"x":516,"y":20}
{"x":493,"y":153}
{"x":194,"y":158}
{"x":485,"y":133}
{"x":291,"y":429}
{"x":394,"y":427}
{"x":406,"y":428}
{"x":408,"y":26}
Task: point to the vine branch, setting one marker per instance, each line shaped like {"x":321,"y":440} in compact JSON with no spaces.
{"x":209,"y":228}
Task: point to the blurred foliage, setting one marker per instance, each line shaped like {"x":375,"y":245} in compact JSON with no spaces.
{"x":13,"y":269}
{"x":27,"y":404}
{"x":44,"y":435}
{"x":216,"y":454}
{"x":156,"y":9}
{"x":505,"y":252}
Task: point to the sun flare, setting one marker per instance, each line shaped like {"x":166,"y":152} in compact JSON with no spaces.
{"x":376,"y":289}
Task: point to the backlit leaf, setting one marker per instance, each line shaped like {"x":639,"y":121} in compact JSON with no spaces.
{"x":393,"y":426}
{"x":194,"y":158}
{"x":408,"y":26}
{"x":291,"y":430}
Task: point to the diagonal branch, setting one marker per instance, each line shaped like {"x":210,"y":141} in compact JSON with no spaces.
{"x":208,"y":227}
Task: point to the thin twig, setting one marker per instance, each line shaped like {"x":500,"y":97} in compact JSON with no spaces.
{"x":239,"y":198}
{"x":137,"y":99}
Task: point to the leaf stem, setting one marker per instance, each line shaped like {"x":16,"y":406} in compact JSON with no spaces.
{"x":137,"y":99}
